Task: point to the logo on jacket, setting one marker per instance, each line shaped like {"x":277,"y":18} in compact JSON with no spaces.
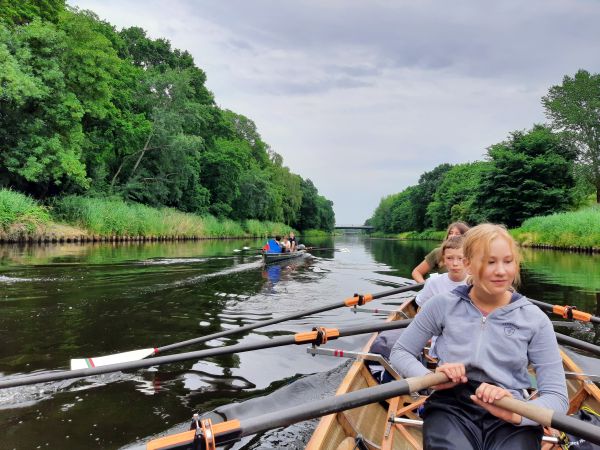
{"x":509,"y":329}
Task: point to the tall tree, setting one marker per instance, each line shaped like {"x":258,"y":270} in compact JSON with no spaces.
{"x":454,"y":198}
{"x":40,"y":119}
{"x":531,"y":174}
{"x":574,"y":107}
{"x":423,"y":193}
{"x":20,"y":12}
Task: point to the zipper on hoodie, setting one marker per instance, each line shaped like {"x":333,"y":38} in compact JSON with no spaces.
{"x":481,"y":330}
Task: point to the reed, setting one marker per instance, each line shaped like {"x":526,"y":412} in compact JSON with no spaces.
{"x":569,"y":229}
{"x":19,"y":213}
{"x":428,"y":235}
{"x":115,"y":217}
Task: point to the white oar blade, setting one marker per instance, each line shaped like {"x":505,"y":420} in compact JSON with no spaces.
{"x":134,"y":355}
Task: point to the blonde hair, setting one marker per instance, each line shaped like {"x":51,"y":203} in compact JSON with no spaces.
{"x":462,"y":227}
{"x":480,"y":237}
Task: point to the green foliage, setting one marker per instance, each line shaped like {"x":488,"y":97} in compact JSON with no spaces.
{"x":116,"y":217}
{"x":40,"y":128}
{"x":423,"y":194}
{"x":19,"y":12}
{"x":574,"y":106}
{"x":316,"y":211}
{"x":85,"y":109}
{"x":531,"y":174}
{"x":455,"y":196}
{"x":577,"y":228}
{"x":18,"y":210}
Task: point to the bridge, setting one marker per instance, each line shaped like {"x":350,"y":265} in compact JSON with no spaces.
{"x":354,"y":227}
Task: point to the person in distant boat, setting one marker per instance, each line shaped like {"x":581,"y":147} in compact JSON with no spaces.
{"x":432,"y":259}
{"x":293,"y":242}
{"x":273,"y":245}
{"x":285,"y":245}
{"x":488,"y":335}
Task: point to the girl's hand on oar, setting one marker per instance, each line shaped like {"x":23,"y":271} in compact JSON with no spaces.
{"x":485,"y":396}
{"x":456,"y":372}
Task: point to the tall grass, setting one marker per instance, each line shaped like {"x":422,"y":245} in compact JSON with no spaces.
{"x":116,"y":217}
{"x":18,"y":212}
{"x":578,"y":228}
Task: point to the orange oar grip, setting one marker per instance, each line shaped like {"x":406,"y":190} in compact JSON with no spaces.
{"x":353,"y":301}
{"x":311,"y":336}
{"x":187,"y":437}
{"x":580,"y":315}
{"x":166,"y":442}
{"x":571,"y":312}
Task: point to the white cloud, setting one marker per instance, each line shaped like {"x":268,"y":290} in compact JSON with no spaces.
{"x":363,"y":97}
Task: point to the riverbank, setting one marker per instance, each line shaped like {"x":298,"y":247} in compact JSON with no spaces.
{"x":83,"y":219}
{"x":572,"y":231}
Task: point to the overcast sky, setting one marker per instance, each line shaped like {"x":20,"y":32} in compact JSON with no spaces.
{"x":364,"y":96}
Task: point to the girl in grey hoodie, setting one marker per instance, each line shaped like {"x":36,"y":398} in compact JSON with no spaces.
{"x":488,"y":336}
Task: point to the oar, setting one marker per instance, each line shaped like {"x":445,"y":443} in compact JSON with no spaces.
{"x":136,"y":355}
{"x":567,"y":312}
{"x":578,"y":343}
{"x":549,"y":418}
{"x":344,"y":250}
{"x":318,"y":336}
{"x":233,"y":430}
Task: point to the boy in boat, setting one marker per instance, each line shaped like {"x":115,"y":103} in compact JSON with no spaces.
{"x":273,"y":245}
{"x":488,"y":336}
{"x":452,"y":259}
{"x":431,"y":263}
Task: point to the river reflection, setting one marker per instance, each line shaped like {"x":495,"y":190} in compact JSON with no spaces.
{"x":63,"y":301}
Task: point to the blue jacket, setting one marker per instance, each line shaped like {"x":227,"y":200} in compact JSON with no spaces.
{"x":274,"y":247}
{"x":494,"y":349}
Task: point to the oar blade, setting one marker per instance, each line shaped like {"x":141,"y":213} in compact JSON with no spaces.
{"x":134,"y":355}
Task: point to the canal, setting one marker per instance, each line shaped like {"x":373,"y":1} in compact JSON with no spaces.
{"x":59,"y":302}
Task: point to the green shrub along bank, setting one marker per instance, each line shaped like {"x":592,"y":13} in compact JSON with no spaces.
{"x":579,"y":229}
{"x":20,"y":213}
{"x":20,"y":216}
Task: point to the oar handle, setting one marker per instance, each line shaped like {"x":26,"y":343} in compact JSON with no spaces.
{"x":233,"y":430}
{"x":550,"y":418}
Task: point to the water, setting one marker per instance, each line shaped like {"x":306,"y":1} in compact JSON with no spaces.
{"x":58,"y":302}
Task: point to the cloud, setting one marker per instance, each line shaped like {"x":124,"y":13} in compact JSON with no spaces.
{"x":363,"y":97}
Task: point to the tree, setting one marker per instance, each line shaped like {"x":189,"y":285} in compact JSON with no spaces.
{"x":423,"y":193}
{"x":24,"y":11}
{"x":531,"y":174}
{"x":454,"y":198}
{"x":40,"y":119}
{"x":574,"y":107}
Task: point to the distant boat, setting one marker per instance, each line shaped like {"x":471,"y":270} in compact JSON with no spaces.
{"x":269,"y":258}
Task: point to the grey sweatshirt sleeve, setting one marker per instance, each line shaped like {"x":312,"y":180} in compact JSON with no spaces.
{"x":544,"y":357}
{"x":425,"y":325}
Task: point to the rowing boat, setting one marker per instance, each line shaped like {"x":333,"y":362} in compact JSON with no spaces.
{"x":269,"y":258}
{"x":369,"y":427}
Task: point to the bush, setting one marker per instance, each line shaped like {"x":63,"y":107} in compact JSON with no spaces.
{"x":20,"y":211}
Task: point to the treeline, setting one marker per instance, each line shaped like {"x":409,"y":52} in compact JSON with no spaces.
{"x":547,"y":169}
{"x":89,"y":110}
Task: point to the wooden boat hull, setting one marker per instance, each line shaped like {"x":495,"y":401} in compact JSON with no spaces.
{"x":339,"y":431}
{"x":269,"y":258}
